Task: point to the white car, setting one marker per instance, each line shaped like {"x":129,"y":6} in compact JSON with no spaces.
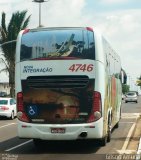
{"x":8,"y":107}
{"x":131,"y":97}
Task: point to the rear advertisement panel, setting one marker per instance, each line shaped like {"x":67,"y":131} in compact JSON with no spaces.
{"x":53,"y":94}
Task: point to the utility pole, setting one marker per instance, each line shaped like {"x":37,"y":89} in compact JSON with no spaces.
{"x":39,"y":1}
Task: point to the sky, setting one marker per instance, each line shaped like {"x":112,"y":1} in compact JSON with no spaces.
{"x":118,"y":20}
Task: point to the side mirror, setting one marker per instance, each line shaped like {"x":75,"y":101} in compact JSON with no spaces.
{"x":123,"y":77}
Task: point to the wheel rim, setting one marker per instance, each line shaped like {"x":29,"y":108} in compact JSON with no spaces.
{"x":109,"y":132}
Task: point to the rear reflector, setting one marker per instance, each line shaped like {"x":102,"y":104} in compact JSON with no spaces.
{"x":26,"y":126}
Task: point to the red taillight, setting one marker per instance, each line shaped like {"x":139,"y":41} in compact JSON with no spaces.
{"x":97,"y":101}
{"x":21,"y":115}
{"x":20,"y":102}
{"x":89,"y":29}
{"x":96,"y":109}
{"x":4,"y":108}
{"x":25,"y":31}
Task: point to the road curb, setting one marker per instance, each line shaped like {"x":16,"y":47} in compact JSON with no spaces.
{"x":138,"y":154}
{"x":130,"y":135}
{"x":139,"y":151}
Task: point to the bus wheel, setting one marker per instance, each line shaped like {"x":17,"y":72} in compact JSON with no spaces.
{"x":109,"y":129}
{"x":117,"y":125}
{"x":38,"y":143}
{"x":103,"y":141}
{"x":109,"y":133}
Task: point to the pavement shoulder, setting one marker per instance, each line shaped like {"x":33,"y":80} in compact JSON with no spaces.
{"x":139,"y":141}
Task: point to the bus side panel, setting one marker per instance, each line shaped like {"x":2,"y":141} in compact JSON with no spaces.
{"x":100,"y":86}
{"x":107,"y":81}
{"x":118,"y":100}
{"x":17,"y":78}
{"x":17,"y":65}
{"x":101,"y":78}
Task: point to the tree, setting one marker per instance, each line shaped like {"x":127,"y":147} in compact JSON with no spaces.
{"x":125,"y":88}
{"x":139,"y":81}
{"x":8,"y":33}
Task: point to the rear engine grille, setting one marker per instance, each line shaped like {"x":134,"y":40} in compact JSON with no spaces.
{"x":58,"y":81}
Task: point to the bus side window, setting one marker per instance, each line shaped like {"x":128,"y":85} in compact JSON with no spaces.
{"x":91,"y":50}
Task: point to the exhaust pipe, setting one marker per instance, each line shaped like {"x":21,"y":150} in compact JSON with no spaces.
{"x":83,"y":134}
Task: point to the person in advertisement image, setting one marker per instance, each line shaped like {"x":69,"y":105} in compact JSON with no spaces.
{"x":57,"y":105}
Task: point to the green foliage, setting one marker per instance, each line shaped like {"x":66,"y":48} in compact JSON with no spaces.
{"x":8,"y":33}
{"x":125,"y":88}
{"x":138,"y":82}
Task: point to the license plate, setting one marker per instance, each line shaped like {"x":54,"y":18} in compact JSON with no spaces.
{"x":57,"y":130}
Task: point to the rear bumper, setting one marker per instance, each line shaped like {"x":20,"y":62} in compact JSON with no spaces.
{"x":131,"y":99}
{"x":72,"y":131}
{"x":5,"y":114}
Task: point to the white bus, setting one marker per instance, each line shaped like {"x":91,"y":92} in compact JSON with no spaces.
{"x":68,"y":85}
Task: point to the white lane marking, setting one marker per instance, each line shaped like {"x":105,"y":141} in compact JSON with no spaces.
{"x":128,"y":137}
{"x":124,"y":147}
{"x":127,"y":152}
{"x":130,"y":115}
{"x":130,"y":132}
{"x":139,"y":151}
{"x":7,"y":125}
{"x":126,"y":116}
{"x":128,"y":122}
{"x":18,"y":145}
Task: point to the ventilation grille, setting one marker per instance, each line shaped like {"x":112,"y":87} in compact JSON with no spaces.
{"x":58,"y":81}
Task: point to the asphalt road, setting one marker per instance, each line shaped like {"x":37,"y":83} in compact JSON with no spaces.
{"x":125,"y":138}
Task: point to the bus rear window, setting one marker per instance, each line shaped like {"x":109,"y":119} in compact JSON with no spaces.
{"x":58,"y":44}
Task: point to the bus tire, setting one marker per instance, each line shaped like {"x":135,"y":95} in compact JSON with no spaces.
{"x":109,"y":133}
{"x":109,"y":130}
{"x":117,"y":125}
{"x":103,"y":141}
{"x":38,"y":143}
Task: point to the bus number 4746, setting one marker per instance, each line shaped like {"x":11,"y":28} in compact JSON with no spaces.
{"x":81,"y":67}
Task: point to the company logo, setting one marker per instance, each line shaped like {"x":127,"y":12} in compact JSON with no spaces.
{"x":31,"y":69}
